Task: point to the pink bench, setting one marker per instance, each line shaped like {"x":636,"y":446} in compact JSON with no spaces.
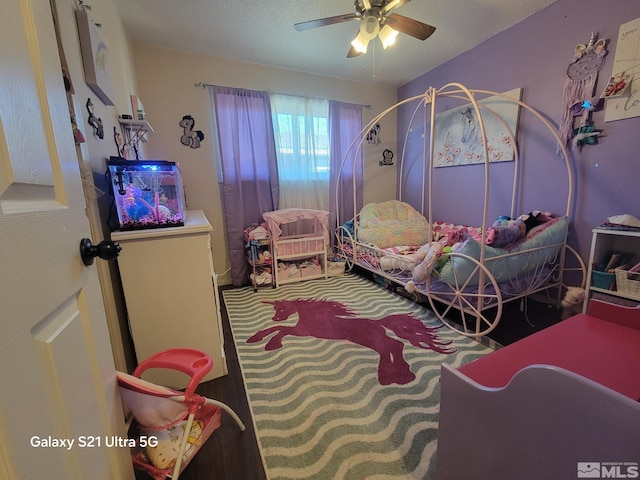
{"x":603,"y":346}
{"x":547,"y":405}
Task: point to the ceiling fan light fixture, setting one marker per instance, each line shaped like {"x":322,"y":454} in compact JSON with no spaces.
{"x":387,"y":36}
{"x":369,"y":27}
{"x":360,"y":43}
{"x":376,"y":20}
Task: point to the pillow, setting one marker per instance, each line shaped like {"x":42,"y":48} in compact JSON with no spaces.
{"x":392,"y":223}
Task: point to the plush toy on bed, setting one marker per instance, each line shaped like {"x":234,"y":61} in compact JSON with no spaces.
{"x":428,"y":256}
{"x":506,"y":230}
{"x":503,"y":232}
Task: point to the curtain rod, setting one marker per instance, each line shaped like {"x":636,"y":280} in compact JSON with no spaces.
{"x":205,"y":85}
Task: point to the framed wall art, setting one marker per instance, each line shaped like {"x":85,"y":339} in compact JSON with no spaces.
{"x":95,"y":57}
{"x":458,"y":137}
{"x":626,"y":68}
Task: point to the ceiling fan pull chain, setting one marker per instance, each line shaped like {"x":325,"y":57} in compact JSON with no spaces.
{"x":373,"y":62}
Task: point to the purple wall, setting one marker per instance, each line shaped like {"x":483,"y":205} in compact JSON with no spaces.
{"x":534,"y":55}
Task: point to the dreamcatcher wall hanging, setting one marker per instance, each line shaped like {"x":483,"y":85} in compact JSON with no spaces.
{"x":579,"y":87}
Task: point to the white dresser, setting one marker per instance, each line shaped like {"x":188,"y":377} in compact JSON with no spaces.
{"x":171,"y":293}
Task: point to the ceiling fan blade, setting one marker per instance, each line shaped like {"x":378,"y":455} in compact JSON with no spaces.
{"x":391,"y":4}
{"x":353,"y":52}
{"x":322,"y":22}
{"x":407,"y":25}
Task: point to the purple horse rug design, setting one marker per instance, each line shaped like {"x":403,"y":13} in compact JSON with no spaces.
{"x":334,"y":321}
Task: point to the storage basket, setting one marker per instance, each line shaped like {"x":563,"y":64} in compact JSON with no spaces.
{"x":628,"y":282}
{"x":335,"y":267}
{"x":310,"y":269}
{"x":601,"y":279}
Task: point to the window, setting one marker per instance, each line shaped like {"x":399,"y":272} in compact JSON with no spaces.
{"x":301,"y":130}
{"x":304,"y":138}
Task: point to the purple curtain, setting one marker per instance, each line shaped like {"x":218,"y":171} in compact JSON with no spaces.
{"x":248,"y":162}
{"x":345,"y":125}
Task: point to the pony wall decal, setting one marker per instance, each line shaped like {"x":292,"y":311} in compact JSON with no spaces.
{"x":190,"y":138}
{"x":330,"y":320}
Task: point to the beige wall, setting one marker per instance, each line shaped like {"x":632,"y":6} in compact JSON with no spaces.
{"x":94,"y":151}
{"x":167,"y":79}
{"x":122,"y":75}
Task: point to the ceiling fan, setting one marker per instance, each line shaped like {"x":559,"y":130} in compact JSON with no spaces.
{"x":376,"y":20}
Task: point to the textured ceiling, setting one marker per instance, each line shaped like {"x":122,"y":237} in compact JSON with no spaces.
{"x":261,"y":31}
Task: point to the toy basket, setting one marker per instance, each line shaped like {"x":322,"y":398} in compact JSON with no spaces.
{"x":628,"y":282}
{"x":602,"y":279}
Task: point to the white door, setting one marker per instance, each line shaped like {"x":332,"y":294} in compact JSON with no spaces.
{"x":58,"y":401}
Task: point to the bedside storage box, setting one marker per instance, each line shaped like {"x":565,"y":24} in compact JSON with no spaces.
{"x":602,"y":279}
{"x":288,"y":271}
{"x":628,"y":282}
{"x":335,"y":267}
{"x":309,"y":269}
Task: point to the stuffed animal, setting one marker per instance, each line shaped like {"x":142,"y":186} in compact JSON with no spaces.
{"x":501,"y":234}
{"x":456,"y":235}
{"x":572,"y":302}
{"x":429,"y":258}
{"x":398,"y":262}
{"x":429,"y":255}
{"x":505,"y":230}
{"x":502,"y":220}
{"x":534,"y":218}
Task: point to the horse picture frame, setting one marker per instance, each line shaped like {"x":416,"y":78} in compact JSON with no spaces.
{"x":458,"y":136}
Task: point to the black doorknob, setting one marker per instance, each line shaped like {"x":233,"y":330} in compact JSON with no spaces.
{"x":106,"y":250}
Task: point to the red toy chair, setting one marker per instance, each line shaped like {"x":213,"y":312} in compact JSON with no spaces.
{"x":167,"y":442}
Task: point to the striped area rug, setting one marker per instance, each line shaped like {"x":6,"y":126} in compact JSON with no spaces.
{"x":328,"y":408}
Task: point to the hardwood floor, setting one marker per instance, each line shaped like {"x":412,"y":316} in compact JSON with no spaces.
{"x":233,"y":455}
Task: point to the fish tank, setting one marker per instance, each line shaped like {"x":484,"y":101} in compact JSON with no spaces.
{"x":148,"y":193}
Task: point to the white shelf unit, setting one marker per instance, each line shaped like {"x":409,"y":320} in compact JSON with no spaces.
{"x":603,"y":242}
{"x":171,"y":293}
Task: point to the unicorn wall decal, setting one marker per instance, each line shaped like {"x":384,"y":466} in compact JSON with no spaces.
{"x":334,"y":321}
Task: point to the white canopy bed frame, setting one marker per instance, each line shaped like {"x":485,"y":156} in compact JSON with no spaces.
{"x":477,"y":285}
